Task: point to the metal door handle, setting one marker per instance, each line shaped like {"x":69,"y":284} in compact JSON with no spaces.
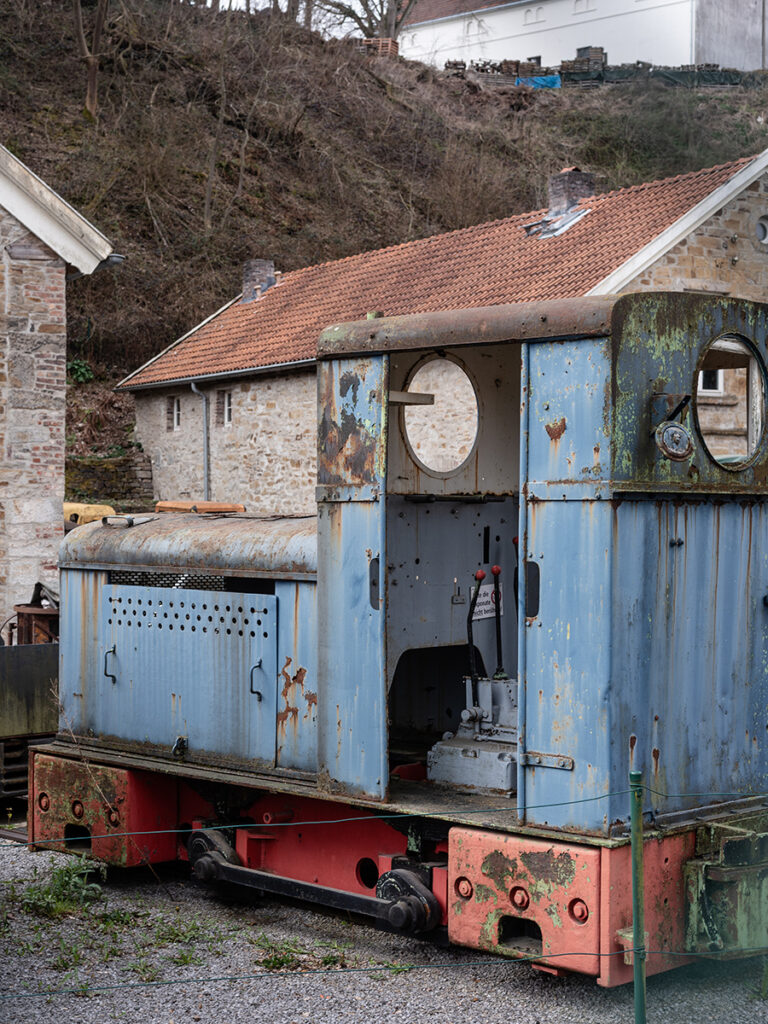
{"x":112,"y":650}
{"x":257,"y":693}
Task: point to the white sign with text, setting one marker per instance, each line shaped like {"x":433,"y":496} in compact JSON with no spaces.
{"x":486,"y":602}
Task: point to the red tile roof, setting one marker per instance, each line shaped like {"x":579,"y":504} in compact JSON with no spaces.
{"x":431,"y":10}
{"x":484,"y":265}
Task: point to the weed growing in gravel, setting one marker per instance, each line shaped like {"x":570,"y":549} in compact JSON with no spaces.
{"x":111,"y":920}
{"x":336,"y":955}
{"x":110,"y":949}
{"x":27,"y":947}
{"x":333,"y":960}
{"x":286,"y":961}
{"x":185,"y":957}
{"x":70,"y":955}
{"x":68,"y":890}
{"x":144,"y":969}
{"x":395,"y":968}
{"x":215,"y":941}
{"x":184,"y":931}
{"x":281,"y":954}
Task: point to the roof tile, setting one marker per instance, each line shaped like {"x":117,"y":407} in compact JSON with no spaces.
{"x":431,"y":10}
{"x":484,"y":265}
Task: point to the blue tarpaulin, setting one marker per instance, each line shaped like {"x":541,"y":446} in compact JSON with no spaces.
{"x":540,"y":81}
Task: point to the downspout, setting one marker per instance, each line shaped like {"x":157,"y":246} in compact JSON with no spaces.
{"x":522,"y":529}
{"x":206,"y":474}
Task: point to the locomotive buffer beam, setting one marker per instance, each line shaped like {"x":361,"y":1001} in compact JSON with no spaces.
{"x":404,"y":903}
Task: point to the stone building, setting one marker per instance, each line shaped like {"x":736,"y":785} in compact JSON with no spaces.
{"x":232,"y":403}
{"x":41,"y":238}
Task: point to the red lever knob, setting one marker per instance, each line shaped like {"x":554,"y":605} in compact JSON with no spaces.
{"x":496,"y":570}
{"x":479,"y":575}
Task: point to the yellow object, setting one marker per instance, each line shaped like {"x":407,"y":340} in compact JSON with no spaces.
{"x":77,"y":512}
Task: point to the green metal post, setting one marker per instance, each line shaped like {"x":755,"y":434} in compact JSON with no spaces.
{"x":638,"y":898}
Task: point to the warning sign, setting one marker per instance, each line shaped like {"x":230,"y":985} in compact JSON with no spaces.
{"x":486,"y":602}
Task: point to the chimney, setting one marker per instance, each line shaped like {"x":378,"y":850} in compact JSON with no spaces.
{"x":258,"y":275}
{"x":568,"y":187}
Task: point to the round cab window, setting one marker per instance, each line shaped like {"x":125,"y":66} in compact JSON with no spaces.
{"x":730,"y":402}
{"x":441,"y":420}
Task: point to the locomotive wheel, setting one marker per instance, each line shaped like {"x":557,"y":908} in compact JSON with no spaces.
{"x":200,"y":844}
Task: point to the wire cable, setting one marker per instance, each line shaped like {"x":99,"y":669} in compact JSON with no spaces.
{"x":323,"y":821}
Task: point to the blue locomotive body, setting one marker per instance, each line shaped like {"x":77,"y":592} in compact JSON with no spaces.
{"x":221,"y":676}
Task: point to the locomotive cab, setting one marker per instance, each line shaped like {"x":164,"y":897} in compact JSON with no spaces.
{"x":418,"y":463}
{"x":607,"y":485}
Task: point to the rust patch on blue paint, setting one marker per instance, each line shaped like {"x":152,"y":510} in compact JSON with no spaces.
{"x":555,"y":429}
{"x":349,"y":382}
{"x":292,"y":687}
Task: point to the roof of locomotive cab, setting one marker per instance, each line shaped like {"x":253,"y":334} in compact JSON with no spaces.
{"x":237,"y":545}
{"x":557,"y":320}
{"x":484,"y":325}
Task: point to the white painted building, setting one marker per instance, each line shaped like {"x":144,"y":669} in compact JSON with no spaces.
{"x":731,"y":33}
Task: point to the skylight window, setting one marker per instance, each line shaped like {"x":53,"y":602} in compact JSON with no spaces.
{"x":551,"y":227}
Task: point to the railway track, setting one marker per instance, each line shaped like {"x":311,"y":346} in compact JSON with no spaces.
{"x":15,"y":835}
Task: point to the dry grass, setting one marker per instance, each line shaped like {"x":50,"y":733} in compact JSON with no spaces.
{"x":220,"y":139}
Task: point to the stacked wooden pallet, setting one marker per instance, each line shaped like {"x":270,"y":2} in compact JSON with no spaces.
{"x":378,"y":47}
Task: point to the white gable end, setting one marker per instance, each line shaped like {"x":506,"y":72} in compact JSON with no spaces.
{"x":47,"y":216}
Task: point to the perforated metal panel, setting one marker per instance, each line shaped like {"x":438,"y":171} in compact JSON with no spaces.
{"x":177,"y":580}
{"x":198,"y":664}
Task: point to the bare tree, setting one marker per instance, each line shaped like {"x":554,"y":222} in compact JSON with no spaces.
{"x":90,"y":55}
{"x":381,"y":19}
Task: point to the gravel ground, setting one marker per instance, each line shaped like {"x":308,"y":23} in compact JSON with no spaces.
{"x":271,"y":962}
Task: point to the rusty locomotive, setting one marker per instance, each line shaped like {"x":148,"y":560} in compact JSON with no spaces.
{"x":320,"y":707}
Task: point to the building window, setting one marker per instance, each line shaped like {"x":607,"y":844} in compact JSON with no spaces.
{"x":223,"y":408}
{"x":532,"y":15}
{"x":582,"y":6}
{"x":173,"y":413}
{"x":711,"y":382}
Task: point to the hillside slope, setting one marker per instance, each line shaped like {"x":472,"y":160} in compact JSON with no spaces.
{"x":222,"y":138}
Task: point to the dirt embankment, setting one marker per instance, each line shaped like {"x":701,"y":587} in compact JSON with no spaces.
{"x":221,"y":138}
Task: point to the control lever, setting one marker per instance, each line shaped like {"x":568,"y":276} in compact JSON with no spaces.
{"x":496,"y":573}
{"x":479,"y":576}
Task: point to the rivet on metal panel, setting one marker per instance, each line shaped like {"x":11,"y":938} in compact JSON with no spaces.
{"x":519,"y":897}
{"x":578,"y":910}
{"x":464,"y":888}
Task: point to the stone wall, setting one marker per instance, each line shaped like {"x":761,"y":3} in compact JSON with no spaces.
{"x":441,"y":435}
{"x":32,"y":406}
{"x":119,"y":480}
{"x":723,"y":417}
{"x":265,"y":457}
{"x":724,"y":256}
